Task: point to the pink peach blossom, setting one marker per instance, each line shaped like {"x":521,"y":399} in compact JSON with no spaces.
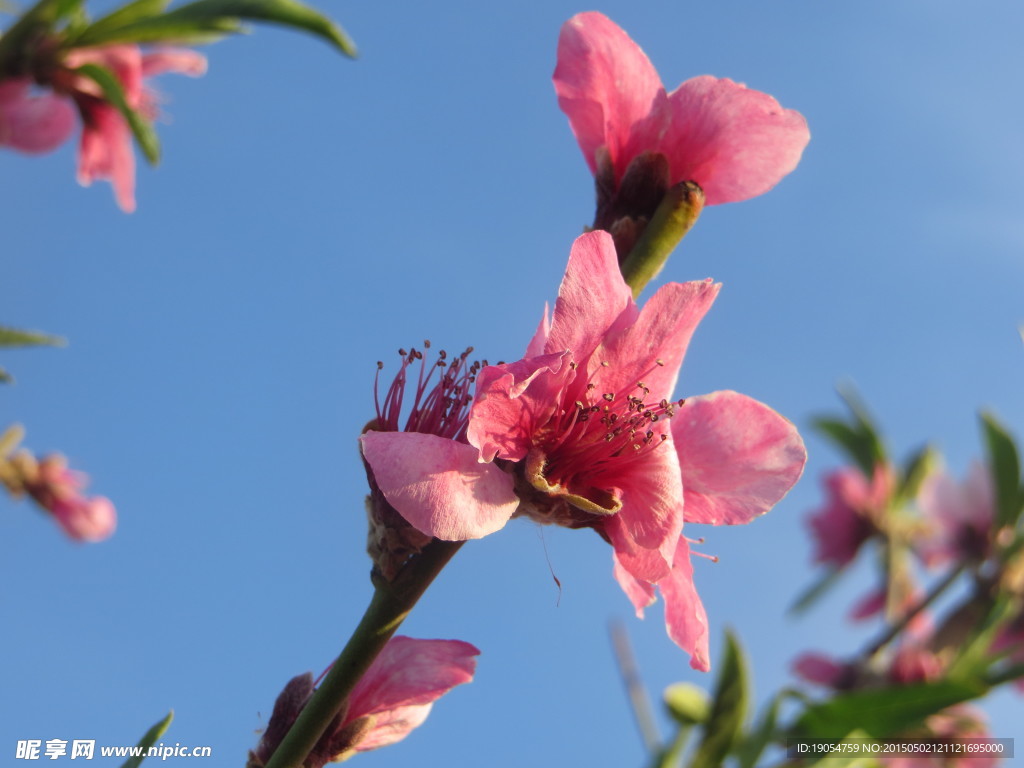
{"x":426,"y":468}
{"x":586,"y":426}
{"x":106,"y":150}
{"x":33,"y":122}
{"x":823,"y":670}
{"x":392,"y":698}
{"x":962,"y":516}
{"x":58,"y":490}
{"x":41,"y":122}
{"x":851,"y":513}
{"x":734,"y":142}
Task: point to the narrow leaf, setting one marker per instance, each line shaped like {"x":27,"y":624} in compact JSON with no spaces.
{"x":224,"y":16}
{"x":883,"y":712}
{"x":134,"y":11}
{"x":149,"y":739}
{"x":13,"y":337}
{"x":142,"y":129}
{"x":728,"y":710}
{"x":5,"y":377}
{"x":1004,"y":463}
{"x":810,"y":595}
{"x":917,"y":468}
{"x":34,"y":23}
{"x":850,"y":440}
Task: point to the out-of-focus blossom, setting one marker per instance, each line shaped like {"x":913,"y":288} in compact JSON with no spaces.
{"x":823,"y":670}
{"x":734,"y":142}
{"x":910,"y":663}
{"x":389,"y":701}
{"x":962,"y":517}
{"x":851,"y":514}
{"x":59,"y":491}
{"x":585,"y":425}
{"x":33,"y":122}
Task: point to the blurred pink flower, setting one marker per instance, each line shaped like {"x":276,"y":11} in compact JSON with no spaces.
{"x":585,"y":423}
{"x":959,"y":722}
{"x":58,"y":490}
{"x":33,"y":122}
{"x":851,"y":513}
{"x":962,"y":516}
{"x":106,"y":150}
{"x":40,"y":123}
{"x":392,"y":698}
{"x":823,"y":670}
{"x":734,"y":142}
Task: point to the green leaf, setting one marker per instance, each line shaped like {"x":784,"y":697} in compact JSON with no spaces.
{"x":12,"y":337}
{"x":687,"y":703}
{"x":149,"y":739}
{"x":728,"y":710}
{"x":128,"y":14}
{"x":858,"y":438}
{"x":142,"y":129}
{"x":1004,"y":463}
{"x":857,"y":446}
{"x":810,"y":595}
{"x":757,"y":740}
{"x":917,"y":468}
{"x":883,"y":712}
{"x":221,"y":17}
{"x":5,"y":377}
{"x":33,"y":25}
{"x":974,"y":657}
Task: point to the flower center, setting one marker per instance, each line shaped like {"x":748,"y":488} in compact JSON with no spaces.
{"x":596,"y":436}
{"x":440,"y":394}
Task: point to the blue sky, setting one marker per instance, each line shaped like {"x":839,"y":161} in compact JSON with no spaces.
{"x":313,"y":214}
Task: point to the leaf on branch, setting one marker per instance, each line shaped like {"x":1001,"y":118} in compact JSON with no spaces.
{"x":728,"y":710}
{"x":1004,"y":463}
{"x":13,"y":337}
{"x":204,"y":18}
{"x":142,"y":129}
{"x":149,"y":739}
{"x":883,"y":712}
{"x":811,"y":595}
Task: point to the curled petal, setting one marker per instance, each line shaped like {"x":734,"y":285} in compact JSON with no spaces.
{"x":106,"y":151}
{"x":640,"y":592}
{"x":438,"y":485}
{"x":411,"y":671}
{"x":181,"y":60}
{"x":738,"y":457}
{"x":511,"y":400}
{"x":684,"y":612}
